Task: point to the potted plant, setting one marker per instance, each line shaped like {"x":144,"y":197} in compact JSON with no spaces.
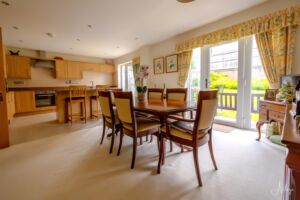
{"x":140,"y":78}
{"x":286,"y":93}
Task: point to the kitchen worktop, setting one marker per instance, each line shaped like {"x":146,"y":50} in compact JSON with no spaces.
{"x":39,"y":88}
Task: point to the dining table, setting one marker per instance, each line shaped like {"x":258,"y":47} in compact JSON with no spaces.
{"x":162,"y":108}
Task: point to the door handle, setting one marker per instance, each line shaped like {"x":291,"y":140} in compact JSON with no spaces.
{"x":206,"y":83}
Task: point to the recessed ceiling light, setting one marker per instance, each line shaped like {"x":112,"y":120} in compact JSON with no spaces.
{"x":118,"y":47}
{"x":5,"y":3}
{"x":21,"y":41}
{"x":90,"y":26}
{"x":50,"y":34}
{"x":185,"y":1}
{"x":71,"y":48}
{"x":78,"y":39}
{"x":136,"y":38}
{"x":15,"y":27}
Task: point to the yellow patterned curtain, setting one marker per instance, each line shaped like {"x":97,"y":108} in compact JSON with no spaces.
{"x":184,"y":63}
{"x":267,"y":23}
{"x":276,"y":50}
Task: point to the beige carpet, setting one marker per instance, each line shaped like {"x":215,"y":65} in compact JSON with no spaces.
{"x":72,"y":165}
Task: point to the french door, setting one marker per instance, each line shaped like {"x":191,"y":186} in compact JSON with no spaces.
{"x":126,"y":77}
{"x":234,"y":69}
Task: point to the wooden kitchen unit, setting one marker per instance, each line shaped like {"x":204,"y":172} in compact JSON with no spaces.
{"x":61,"y":110}
{"x":18,"y":67}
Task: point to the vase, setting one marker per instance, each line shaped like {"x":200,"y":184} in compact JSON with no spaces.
{"x":141,"y":96}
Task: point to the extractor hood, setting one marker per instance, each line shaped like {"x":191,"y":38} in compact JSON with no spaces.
{"x":43,"y":62}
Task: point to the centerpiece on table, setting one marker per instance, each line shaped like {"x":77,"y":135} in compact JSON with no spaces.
{"x":140,"y":79}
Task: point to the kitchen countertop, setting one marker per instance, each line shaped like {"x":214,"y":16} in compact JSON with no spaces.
{"x":62,"y":88}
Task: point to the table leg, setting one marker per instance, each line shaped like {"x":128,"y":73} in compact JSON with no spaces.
{"x":258,"y":127}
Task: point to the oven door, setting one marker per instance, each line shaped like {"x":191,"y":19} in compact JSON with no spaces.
{"x":43,"y":100}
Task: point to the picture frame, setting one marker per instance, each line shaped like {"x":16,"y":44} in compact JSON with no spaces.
{"x":172,"y":63}
{"x":270,"y":94}
{"x":159,"y":65}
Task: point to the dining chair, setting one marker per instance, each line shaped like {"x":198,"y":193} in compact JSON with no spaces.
{"x":94,"y":100}
{"x":77,"y":95}
{"x":176,"y":94}
{"x":109,"y":115}
{"x":155,"y":93}
{"x":193,"y":133}
{"x":130,"y":125}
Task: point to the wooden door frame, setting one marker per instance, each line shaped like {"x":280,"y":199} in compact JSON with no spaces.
{"x":4,"y":131}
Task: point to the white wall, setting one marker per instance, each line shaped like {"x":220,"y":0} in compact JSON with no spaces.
{"x":41,"y":77}
{"x":168,"y":46}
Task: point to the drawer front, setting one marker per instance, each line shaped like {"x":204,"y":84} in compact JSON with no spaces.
{"x":262,"y":105}
{"x":277,"y":116}
{"x":275,"y":107}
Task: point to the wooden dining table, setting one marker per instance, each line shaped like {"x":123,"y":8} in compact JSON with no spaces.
{"x":162,"y":109}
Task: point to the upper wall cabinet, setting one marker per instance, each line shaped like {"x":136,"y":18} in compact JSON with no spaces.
{"x":18,"y":67}
{"x":73,"y":70}
{"x":67,"y":70}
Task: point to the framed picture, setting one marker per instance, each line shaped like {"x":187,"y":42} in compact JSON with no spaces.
{"x":271,"y":94}
{"x":171,"y":63}
{"x":159,"y":65}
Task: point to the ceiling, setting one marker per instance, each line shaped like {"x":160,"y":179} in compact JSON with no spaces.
{"x":117,"y":26}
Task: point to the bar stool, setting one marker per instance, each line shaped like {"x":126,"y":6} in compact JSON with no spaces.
{"x":77,"y":95}
{"x":94,"y":99}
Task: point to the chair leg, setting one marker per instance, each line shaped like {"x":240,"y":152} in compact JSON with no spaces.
{"x":147,"y":138}
{"x":103,"y":132}
{"x":171,"y":146}
{"x":91,"y":108}
{"x":133,"y":152}
{"x":141,"y":140}
{"x":196,"y":162}
{"x":84,"y":111}
{"x":212,"y":152}
{"x":160,"y":151}
{"x":151,"y":138}
{"x":163,"y":144}
{"x":112,"y":139}
{"x":121,"y":140}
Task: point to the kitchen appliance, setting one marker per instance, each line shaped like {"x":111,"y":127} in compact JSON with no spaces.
{"x":44,"y":98}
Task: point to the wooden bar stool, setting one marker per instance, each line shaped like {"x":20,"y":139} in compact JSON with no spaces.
{"x":94,"y":99}
{"x":77,"y":95}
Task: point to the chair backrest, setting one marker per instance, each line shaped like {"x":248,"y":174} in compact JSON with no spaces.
{"x":113,"y":91}
{"x":106,"y":104}
{"x":155,"y":93}
{"x":206,"y":110}
{"x":178,"y":94}
{"x":77,"y":91}
{"x":124,"y":105}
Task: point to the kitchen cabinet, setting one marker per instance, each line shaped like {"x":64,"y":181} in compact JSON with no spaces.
{"x":68,"y":70}
{"x":18,"y":67}
{"x":73,"y":70}
{"x":25,"y":101}
{"x":10,"y":98}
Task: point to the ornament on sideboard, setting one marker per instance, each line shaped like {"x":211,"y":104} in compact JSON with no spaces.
{"x":16,"y":53}
{"x":286,"y":93}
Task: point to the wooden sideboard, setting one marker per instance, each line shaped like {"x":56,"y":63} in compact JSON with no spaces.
{"x":291,"y":138}
{"x":270,"y":111}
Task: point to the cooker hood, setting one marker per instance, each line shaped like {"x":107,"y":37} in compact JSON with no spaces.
{"x":43,"y":62}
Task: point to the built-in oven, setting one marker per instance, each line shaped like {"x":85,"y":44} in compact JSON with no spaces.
{"x":44,"y":98}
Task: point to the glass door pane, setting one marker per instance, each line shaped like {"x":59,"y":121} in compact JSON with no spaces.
{"x":193,"y":83}
{"x":223,"y":76}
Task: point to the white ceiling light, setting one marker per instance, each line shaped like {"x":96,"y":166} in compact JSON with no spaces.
{"x":51,"y":35}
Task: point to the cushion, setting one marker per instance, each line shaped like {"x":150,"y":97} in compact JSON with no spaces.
{"x":178,"y":132}
{"x":143,"y":125}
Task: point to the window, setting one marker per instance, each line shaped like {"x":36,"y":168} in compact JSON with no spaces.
{"x":193,"y":82}
{"x":125,"y":77}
